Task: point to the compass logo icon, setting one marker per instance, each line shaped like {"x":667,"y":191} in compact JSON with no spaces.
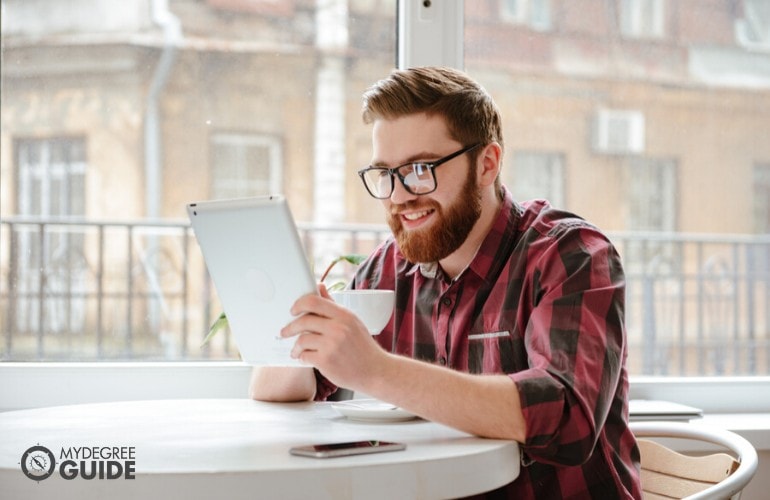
{"x":38,"y":463}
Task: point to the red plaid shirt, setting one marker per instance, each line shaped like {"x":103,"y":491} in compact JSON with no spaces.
{"x":542,"y":301}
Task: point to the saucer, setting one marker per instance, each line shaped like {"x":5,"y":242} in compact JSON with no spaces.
{"x":372,"y":410}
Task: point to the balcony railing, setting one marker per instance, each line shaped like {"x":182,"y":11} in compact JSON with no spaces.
{"x":75,"y":290}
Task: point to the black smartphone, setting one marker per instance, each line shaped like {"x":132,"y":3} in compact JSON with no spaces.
{"x":345,"y":449}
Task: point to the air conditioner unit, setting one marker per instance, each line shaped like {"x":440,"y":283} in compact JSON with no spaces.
{"x":618,"y":132}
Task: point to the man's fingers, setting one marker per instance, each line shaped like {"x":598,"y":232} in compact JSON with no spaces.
{"x":304,"y":344}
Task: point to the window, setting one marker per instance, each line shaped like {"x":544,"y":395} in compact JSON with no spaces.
{"x":659,"y":137}
{"x":48,"y":266}
{"x":51,"y":177}
{"x":537,"y":175}
{"x":253,"y":70}
{"x":113,"y":118}
{"x":533,"y":13}
{"x":642,"y":18}
{"x":753,"y":30}
{"x":762,"y":198}
{"x":650,"y":207}
{"x":245,"y":165}
{"x":652,"y":190}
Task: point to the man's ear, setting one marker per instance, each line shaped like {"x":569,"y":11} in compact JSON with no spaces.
{"x":489,"y":164}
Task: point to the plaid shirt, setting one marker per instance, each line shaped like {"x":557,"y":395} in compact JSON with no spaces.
{"x":542,"y":301}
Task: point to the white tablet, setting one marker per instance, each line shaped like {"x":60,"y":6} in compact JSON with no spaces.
{"x":256,"y":260}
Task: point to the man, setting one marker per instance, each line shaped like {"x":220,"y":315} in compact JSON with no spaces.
{"x":509,"y":316}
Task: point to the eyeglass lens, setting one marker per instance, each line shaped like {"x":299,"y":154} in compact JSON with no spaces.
{"x":416,"y":177}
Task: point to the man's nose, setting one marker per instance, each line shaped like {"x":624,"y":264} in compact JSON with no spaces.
{"x":400,"y":195}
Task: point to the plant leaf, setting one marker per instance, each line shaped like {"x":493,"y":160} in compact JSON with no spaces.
{"x":340,"y":285}
{"x":353,"y":258}
{"x":219,"y":324}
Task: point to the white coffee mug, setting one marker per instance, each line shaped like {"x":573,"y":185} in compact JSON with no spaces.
{"x":373,"y":307}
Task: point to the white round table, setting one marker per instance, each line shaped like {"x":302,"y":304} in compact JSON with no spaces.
{"x":238,"y":448}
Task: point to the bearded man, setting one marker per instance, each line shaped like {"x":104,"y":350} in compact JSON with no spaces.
{"x":509,"y":319}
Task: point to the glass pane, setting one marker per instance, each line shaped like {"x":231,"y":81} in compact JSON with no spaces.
{"x":659,"y":111}
{"x":115,"y":115}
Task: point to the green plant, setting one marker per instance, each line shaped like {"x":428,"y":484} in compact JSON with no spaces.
{"x":355,"y":259}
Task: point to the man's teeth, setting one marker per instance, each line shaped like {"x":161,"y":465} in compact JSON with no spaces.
{"x":416,"y":215}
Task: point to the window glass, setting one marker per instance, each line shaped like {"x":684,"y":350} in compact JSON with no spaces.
{"x":117,"y":114}
{"x":642,"y":18}
{"x":762,"y":198}
{"x":245,"y":165}
{"x":658,"y":112}
{"x":536,"y":175}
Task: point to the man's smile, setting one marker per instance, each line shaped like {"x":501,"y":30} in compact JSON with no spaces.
{"x":413,"y":216}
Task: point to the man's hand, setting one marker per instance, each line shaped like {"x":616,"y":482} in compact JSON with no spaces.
{"x":332,"y":339}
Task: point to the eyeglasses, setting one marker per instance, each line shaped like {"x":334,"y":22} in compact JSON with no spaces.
{"x":416,"y":177}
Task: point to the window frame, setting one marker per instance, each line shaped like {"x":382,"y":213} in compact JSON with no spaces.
{"x":28,"y":385}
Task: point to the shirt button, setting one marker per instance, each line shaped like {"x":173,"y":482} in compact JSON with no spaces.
{"x":442,"y":361}
{"x":446,"y":301}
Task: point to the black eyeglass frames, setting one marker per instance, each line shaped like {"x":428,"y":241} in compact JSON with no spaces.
{"x":417,"y":177}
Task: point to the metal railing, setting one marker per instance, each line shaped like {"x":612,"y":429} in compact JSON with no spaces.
{"x":115,"y":290}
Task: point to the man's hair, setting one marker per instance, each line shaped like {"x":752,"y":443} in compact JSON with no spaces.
{"x":471,"y":114}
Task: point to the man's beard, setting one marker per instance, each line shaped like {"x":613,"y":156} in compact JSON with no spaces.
{"x":444,"y":235}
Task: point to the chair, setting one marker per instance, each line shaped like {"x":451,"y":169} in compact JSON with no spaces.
{"x":667,"y":474}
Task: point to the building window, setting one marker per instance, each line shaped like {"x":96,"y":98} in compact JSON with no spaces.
{"x":762,"y":198}
{"x":245,"y":165}
{"x":49,"y":266}
{"x":651,"y":195}
{"x":642,"y":18}
{"x":51,"y":176}
{"x":533,"y":13}
{"x":537,"y":175}
{"x":651,"y":188}
{"x":754,"y":29}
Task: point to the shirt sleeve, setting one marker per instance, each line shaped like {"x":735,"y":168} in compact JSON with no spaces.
{"x":324,"y":387}
{"x":575,"y":341}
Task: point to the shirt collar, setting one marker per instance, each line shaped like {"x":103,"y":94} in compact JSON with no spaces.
{"x":483,"y":260}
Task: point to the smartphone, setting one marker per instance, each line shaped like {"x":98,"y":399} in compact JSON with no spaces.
{"x":345,"y":449}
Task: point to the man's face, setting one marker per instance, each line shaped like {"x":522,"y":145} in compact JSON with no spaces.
{"x":428,"y":227}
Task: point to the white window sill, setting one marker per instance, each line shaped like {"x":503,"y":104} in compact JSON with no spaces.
{"x":741,"y":404}
{"x":33,"y":385}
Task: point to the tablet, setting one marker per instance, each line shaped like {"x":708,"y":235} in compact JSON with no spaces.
{"x":256,"y":260}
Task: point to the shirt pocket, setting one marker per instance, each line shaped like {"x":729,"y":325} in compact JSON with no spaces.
{"x":490,"y":352}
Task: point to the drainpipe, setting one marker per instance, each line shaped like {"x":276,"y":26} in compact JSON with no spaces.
{"x":153,"y":150}
{"x":172,"y":35}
